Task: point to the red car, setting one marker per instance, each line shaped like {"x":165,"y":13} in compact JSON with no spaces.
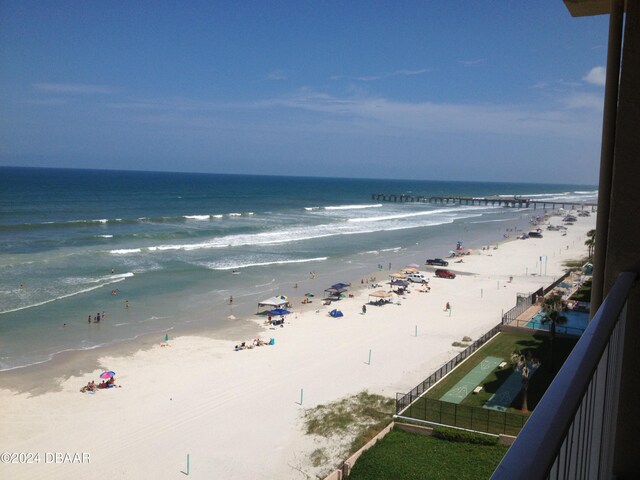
{"x":442,"y":273}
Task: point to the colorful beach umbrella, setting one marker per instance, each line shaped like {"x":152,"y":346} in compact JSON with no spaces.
{"x":108,"y":374}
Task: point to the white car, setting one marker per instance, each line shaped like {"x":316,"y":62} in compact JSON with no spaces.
{"x":417,"y":277}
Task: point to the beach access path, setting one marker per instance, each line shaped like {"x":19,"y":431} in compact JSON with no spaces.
{"x":238,"y":414}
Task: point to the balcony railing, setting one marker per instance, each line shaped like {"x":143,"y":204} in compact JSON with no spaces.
{"x":572,"y":429}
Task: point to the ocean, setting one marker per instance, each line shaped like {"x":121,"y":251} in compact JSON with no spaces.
{"x":175,"y":246}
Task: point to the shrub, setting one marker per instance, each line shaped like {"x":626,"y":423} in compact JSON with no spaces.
{"x":455,"y":435}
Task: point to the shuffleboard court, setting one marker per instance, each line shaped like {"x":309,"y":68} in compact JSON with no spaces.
{"x":508,"y":391}
{"x":471,"y":380}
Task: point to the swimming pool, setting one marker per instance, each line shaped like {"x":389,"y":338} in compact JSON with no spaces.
{"x":576,"y":323}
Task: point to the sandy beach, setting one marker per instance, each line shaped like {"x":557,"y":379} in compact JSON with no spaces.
{"x":238,"y":414}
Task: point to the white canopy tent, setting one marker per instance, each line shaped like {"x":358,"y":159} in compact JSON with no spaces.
{"x":279,"y":301}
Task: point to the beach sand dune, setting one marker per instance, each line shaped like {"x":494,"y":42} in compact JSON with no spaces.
{"x":238,"y":414}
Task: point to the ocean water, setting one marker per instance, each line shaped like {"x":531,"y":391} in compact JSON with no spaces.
{"x":176,"y":246}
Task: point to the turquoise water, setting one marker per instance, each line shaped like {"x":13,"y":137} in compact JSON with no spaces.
{"x":576,"y":323}
{"x":168,"y":243}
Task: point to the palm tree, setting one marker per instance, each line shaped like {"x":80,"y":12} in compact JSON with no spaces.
{"x":590,"y":242}
{"x":552,"y":306}
{"x":520,"y":365}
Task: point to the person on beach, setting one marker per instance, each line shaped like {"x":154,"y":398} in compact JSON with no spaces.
{"x":364,"y":309}
{"x":126,"y":304}
{"x":98,"y":317}
{"x":89,"y":320}
{"x":230,"y":299}
{"x":113,"y":270}
{"x":447,"y":307}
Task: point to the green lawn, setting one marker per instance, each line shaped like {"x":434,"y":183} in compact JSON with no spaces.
{"x":465,"y":415}
{"x":411,"y":456}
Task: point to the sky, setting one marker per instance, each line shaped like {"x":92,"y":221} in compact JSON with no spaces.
{"x":435,"y":90}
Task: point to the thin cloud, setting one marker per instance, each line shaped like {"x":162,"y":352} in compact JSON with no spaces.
{"x":72,"y":88}
{"x":277,"y":75}
{"x":471,"y":63}
{"x":426,"y":117}
{"x":371,"y":78}
{"x":410,"y":72}
{"x":596,"y":76}
{"x":45,"y":101}
{"x":585,"y":100}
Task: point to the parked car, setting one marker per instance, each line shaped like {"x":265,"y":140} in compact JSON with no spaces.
{"x":437,"y":261}
{"x":535,"y":234}
{"x":442,"y":273}
{"x":417,"y":277}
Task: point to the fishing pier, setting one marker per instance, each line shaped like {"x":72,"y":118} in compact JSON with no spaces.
{"x":514,"y":202}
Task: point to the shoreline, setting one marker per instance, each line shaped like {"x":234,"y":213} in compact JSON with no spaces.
{"x":239,"y":414}
{"x":46,"y":375}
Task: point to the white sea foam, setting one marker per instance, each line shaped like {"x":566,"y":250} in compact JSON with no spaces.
{"x":105,"y":236}
{"x":217,"y":216}
{"x":125,"y":251}
{"x":262,"y":264}
{"x":399,"y":216}
{"x":235,"y":214}
{"x":353,"y":207}
{"x":351,"y":227}
{"x":310,"y":209}
{"x":197,"y":217}
{"x":72,"y":294}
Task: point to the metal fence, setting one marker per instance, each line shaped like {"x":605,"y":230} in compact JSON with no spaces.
{"x":556,"y":283}
{"x":464,"y":416}
{"x":510,"y":315}
{"x":539,"y":325}
{"x":404,"y":400}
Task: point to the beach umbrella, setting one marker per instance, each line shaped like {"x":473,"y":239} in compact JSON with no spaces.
{"x":279,"y":311}
{"x":309,"y":295}
{"x":336,"y":313}
{"x":108,"y":374}
{"x":380,"y":294}
{"x":397,"y":275}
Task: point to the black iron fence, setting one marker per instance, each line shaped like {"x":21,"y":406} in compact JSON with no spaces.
{"x":510,"y":315}
{"x":465,"y":416}
{"x":404,"y":400}
{"x":556,"y":283}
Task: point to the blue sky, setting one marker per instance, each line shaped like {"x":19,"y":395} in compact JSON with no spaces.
{"x":501,"y":91}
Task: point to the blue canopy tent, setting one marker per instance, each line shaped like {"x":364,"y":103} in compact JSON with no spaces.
{"x":278,"y":311}
{"x":336,"y":313}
